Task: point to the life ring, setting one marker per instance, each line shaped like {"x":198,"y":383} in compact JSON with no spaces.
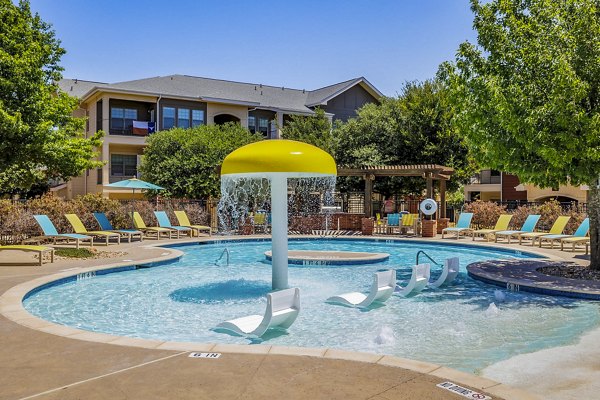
{"x":428,"y":206}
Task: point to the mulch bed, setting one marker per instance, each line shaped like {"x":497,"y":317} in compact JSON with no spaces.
{"x":97,"y":255}
{"x":571,"y":271}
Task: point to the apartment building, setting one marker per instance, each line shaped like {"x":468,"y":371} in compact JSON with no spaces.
{"x":491,"y":185}
{"x":128,"y":112}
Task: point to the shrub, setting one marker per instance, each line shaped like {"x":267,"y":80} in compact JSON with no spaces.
{"x":17,"y":222}
{"x":485,"y":213}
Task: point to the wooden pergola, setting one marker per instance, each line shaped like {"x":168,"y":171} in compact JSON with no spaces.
{"x":430,"y":172}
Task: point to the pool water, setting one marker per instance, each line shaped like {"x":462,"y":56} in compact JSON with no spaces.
{"x":468,"y":325}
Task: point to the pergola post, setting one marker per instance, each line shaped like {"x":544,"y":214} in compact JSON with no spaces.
{"x":442,"y":198}
{"x":429,"y":185}
{"x":368,"y":195}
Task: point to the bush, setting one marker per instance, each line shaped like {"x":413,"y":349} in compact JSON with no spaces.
{"x":17,"y":222}
{"x":485,"y":213}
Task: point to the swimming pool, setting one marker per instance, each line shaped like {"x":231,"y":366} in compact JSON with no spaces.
{"x":457,"y":326}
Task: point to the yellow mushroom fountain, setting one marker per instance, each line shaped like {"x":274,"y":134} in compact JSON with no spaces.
{"x":276,"y":161}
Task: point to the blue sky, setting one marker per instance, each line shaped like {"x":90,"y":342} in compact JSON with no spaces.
{"x":299,"y":44}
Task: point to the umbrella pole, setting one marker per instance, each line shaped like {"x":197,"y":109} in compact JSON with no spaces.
{"x":132,"y":209}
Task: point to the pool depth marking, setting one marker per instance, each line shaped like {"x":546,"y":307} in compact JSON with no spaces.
{"x":462,"y":391}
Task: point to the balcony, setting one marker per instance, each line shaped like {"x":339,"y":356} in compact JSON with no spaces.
{"x":132,"y":128}
{"x":486,"y":177}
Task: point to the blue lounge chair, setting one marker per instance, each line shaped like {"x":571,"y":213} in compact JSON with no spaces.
{"x":462,"y":226}
{"x":581,"y":232}
{"x":393,"y":222}
{"x":50,"y":232}
{"x":528,"y":226}
{"x":163,"y":222}
{"x":105,"y":225}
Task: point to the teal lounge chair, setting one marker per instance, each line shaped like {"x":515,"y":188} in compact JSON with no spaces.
{"x":105,"y":225}
{"x":581,"y":232}
{"x":393,"y":222}
{"x":50,"y":232}
{"x":528,"y":226}
{"x":462,"y":226}
{"x":163,"y":222}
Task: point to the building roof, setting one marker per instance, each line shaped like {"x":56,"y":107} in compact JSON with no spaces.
{"x":221,"y":91}
{"x":323,"y":95}
{"x":77,"y":87}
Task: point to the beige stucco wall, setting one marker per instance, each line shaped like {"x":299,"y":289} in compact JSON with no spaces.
{"x":534,"y":193}
{"x":488,"y":192}
{"x":214,"y":109}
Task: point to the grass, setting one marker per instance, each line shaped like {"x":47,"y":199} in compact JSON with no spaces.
{"x":74,"y":253}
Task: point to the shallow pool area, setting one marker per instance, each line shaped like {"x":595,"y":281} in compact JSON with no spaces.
{"x":467,"y":325}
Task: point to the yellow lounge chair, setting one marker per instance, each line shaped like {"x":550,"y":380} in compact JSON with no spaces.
{"x":380,"y":224}
{"x":80,"y":228}
{"x":140,"y":225}
{"x":40,"y":250}
{"x":501,"y":225}
{"x":409,"y":221}
{"x":259,"y":222}
{"x":557,"y":228}
{"x":183,"y":220}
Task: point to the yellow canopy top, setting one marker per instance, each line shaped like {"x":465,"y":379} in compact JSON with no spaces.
{"x":279,"y":156}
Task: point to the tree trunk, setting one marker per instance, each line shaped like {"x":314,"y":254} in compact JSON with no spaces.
{"x":593,"y":210}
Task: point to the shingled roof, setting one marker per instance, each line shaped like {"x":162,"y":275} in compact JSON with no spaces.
{"x":216,"y":90}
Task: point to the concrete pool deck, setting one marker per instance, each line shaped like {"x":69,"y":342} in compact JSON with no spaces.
{"x":46,"y":361}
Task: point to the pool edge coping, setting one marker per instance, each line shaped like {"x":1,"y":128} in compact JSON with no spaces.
{"x":11,"y":307}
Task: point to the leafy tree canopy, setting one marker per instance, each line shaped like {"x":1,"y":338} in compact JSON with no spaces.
{"x":313,"y":129}
{"x":39,"y":138}
{"x":184,"y":161}
{"x":528,"y":96}
{"x":413,"y":128}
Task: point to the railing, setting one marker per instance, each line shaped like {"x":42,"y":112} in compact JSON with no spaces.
{"x":428,"y":257}
{"x":485,"y":179}
{"x":125,"y":132}
{"x":514,"y":204}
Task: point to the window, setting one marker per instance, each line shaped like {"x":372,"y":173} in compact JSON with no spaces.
{"x":252,"y":124}
{"x":122,"y":118}
{"x":263,"y":126}
{"x":123,"y":165}
{"x":183,"y":118}
{"x":168,"y":117}
{"x":197,"y":117}
{"x":186,"y":117}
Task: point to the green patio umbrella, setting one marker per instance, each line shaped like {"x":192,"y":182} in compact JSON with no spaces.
{"x":133,"y":184}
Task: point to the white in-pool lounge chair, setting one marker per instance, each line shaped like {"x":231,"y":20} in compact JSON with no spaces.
{"x":418,"y":280}
{"x":383,"y":286}
{"x":449,"y":273}
{"x":283,"y":307}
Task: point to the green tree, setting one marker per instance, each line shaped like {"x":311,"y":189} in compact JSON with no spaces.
{"x":185,"y":161}
{"x":312,"y":129}
{"x":413,"y":128}
{"x":39,"y":137}
{"x":528,"y":96}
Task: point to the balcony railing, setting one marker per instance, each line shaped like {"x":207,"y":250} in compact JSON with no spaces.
{"x":125,"y":132}
{"x":485,"y":179}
